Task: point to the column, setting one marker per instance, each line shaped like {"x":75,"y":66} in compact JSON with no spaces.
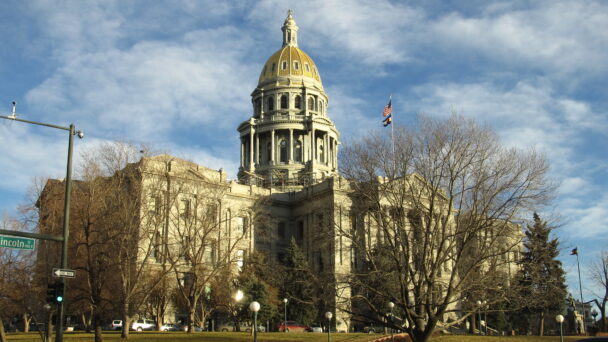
{"x":251,"y":133}
{"x":257,"y":148}
{"x":272,"y":147}
{"x":242,"y":153}
{"x":290,"y":156}
{"x":313,"y":152}
{"x":326,"y":143}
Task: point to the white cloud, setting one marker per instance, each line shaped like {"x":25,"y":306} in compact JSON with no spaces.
{"x":154,"y":86}
{"x":557,"y":36}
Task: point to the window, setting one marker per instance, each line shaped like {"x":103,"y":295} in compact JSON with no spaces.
{"x":321,"y":149}
{"x":311,"y":103}
{"x":270,"y":103}
{"x":185,"y":209}
{"x":300,"y":235}
{"x":283,"y":151}
{"x":274,"y":66}
{"x":240,"y":259}
{"x":157,"y":247}
{"x":284,"y":102}
{"x":240,"y":224}
{"x":296,"y":65}
{"x":298,"y":102}
{"x":281,"y":230}
{"x":298,"y":151}
{"x":210,"y":254}
{"x":257,"y":104}
{"x":284,"y":65}
{"x":320,"y":106}
{"x":306,"y":67}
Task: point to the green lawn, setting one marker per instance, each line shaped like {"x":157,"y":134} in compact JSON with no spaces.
{"x":204,"y":336}
{"x":272,"y":337}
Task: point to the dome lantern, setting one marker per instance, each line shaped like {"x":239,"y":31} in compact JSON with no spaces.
{"x":290,"y":31}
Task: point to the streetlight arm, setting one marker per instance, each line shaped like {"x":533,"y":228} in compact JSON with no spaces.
{"x":34,"y":122}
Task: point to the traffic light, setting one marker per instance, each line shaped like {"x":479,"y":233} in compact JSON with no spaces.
{"x":59,"y":287}
{"x":50,"y":293}
{"x":54,"y":292}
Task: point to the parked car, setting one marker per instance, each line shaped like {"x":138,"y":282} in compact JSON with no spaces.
{"x":373,"y":329}
{"x":170,"y":327}
{"x":143,"y":324}
{"x":316,"y":327}
{"x":243,"y":326}
{"x":195,"y":328}
{"x":115,"y":325}
{"x":292,"y":326}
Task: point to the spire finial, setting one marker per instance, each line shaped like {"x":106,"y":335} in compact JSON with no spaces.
{"x":290,"y":30}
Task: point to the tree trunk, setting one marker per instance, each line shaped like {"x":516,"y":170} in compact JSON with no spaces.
{"x":49,"y":328}
{"x":98,"y":335}
{"x":190,"y":320}
{"x":26,"y":322}
{"x":125,"y":322}
{"x":473,"y":321}
{"x":2,"y":335}
{"x":541,"y":324}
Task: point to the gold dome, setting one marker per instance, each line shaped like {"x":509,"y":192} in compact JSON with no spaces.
{"x":289,"y":61}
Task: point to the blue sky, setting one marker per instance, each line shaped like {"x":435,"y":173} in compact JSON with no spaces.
{"x":178,"y":75}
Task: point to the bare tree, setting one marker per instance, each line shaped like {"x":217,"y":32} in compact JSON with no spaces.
{"x":206,"y":232}
{"x":599,"y":275}
{"x":129,"y":224}
{"x":433,"y":214}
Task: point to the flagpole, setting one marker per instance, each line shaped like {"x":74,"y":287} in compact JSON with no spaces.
{"x":393,"y":140}
{"x":580,"y":286}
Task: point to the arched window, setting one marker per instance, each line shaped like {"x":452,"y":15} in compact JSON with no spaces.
{"x":270,"y":103}
{"x":283,"y":151}
{"x":320,"y":106}
{"x":311,"y":103}
{"x":257,"y":104}
{"x":321,"y":155}
{"x":298,"y":102}
{"x":284,"y":102}
{"x":298,"y":151}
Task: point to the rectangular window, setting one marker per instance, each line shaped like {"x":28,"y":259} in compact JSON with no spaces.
{"x":281,"y":230}
{"x":240,"y":225}
{"x":210,"y":254}
{"x":300,"y":235}
{"x":185,"y":209}
{"x":240,"y":259}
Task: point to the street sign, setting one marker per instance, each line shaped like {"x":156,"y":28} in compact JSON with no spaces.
{"x":17,"y":242}
{"x":63,"y":273}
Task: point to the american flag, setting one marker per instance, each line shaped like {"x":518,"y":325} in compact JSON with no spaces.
{"x":388,"y":109}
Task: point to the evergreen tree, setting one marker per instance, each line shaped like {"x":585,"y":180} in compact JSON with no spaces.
{"x":299,"y":286}
{"x":541,"y":282}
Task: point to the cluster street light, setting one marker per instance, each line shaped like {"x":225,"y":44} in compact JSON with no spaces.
{"x":285,"y":300}
{"x":560,"y":319}
{"x":255,"y":307}
{"x":479,"y":314}
{"x":66,"y":210}
{"x":391,"y":305}
{"x":328,"y":315}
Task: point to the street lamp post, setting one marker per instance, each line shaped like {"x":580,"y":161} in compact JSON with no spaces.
{"x":66,"y":209}
{"x":485,"y":316}
{"x":255,"y":307}
{"x":479,"y":314}
{"x":560,"y":319}
{"x":285,"y":315}
{"x":328,"y":315}
{"x":391,"y":305}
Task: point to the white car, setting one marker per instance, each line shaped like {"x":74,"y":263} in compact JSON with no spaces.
{"x":143,"y":324}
